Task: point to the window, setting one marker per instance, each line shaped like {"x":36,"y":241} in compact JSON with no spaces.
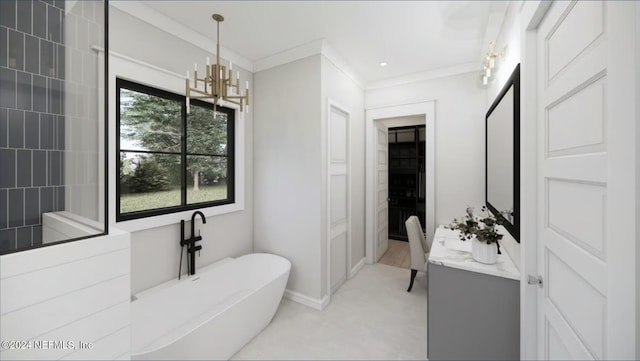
{"x":170,"y":161}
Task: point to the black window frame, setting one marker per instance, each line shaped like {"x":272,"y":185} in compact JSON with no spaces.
{"x":184,"y":206}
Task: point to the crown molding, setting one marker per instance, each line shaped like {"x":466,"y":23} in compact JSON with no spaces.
{"x":155,"y":18}
{"x":322,"y":47}
{"x":316,"y":47}
{"x":333,"y":56}
{"x":424,"y":76}
{"x":287,"y":56}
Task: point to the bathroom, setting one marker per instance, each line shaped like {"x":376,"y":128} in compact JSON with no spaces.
{"x":63,"y":230}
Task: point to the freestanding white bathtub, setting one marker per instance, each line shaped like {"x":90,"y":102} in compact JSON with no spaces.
{"x":210,"y":315}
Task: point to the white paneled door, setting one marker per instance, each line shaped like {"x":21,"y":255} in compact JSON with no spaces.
{"x":382,"y":190}
{"x":339,"y":219}
{"x":574,"y":181}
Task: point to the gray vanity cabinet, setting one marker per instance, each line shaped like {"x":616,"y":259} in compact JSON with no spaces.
{"x":472,"y":315}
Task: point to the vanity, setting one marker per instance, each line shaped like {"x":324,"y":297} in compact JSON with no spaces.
{"x":473,"y":308}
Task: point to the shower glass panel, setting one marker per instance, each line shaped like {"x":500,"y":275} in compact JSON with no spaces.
{"x":52,"y":122}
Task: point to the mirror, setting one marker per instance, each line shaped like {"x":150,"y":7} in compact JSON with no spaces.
{"x":502,"y":162}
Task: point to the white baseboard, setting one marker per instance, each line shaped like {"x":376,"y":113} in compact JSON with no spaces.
{"x":306,"y":300}
{"x":338,"y":284}
{"x":354,"y":271}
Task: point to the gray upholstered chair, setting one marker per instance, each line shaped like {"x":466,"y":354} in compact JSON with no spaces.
{"x":418,"y":247}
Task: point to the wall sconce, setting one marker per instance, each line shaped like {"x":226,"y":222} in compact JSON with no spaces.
{"x":490,"y":62}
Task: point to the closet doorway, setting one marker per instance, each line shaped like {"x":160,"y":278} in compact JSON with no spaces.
{"x":407,"y":177}
{"x":379,"y":120}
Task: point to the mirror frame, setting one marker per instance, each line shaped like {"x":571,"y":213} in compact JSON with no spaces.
{"x":513,"y":81}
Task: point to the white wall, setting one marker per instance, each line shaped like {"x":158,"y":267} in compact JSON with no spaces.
{"x":156,"y":251}
{"x":82,"y":296}
{"x":288,"y":170}
{"x":404,"y":121}
{"x":338,"y":87}
{"x":637,"y":36}
{"x":459,"y":138}
{"x":290,"y":162}
{"x":509,"y":36}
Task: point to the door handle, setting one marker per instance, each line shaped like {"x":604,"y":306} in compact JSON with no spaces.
{"x":533,"y":280}
{"x":388,"y":199}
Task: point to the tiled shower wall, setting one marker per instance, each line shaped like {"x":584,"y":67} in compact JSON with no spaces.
{"x":32,"y":121}
{"x":84,"y":158}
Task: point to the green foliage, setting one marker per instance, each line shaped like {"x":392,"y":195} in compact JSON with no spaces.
{"x":152,"y":122}
{"x":155,"y":123}
{"x":149,"y":176}
{"x":482,"y":227}
{"x":207,"y":134}
{"x":125,"y":165}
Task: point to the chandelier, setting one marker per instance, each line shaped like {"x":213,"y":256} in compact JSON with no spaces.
{"x":218,"y":82}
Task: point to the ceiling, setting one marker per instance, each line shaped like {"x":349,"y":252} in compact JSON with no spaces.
{"x":412,"y":36}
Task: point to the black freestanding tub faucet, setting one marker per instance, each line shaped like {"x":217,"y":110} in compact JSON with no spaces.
{"x":191,"y":242}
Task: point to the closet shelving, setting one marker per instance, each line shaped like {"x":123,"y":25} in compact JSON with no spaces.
{"x":406,"y":178}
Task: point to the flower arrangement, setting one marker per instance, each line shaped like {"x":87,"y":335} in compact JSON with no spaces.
{"x":483,"y":227}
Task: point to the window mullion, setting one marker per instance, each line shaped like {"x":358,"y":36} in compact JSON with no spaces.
{"x":183,"y":188}
{"x":231,"y":161}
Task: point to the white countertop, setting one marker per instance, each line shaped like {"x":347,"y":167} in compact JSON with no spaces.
{"x":448,"y":250}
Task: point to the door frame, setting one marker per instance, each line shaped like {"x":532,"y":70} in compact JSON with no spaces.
{"x":331,"y":104}
{"x":532,"y":14}
{"x":426,"y":108}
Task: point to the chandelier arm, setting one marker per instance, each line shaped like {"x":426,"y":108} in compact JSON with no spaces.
{"x":188,"y":93}
{"x":218,"y":80}
{"x":201,"y":97}
{"x":233,"y":101}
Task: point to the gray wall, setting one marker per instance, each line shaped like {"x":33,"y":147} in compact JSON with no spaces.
{"x":156,"y":251}
{"x":288,"y":165}
{"x":637,"y":36}
{"x":290,"y":162}
{"x":32,"y":123}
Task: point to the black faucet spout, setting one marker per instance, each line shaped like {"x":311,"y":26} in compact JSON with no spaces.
{"x":193,"y":222}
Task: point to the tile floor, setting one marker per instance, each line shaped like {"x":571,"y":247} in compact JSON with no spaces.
{"x":371,"y":317}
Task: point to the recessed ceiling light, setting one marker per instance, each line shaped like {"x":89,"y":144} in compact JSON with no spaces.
{"x":383,"y":63}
